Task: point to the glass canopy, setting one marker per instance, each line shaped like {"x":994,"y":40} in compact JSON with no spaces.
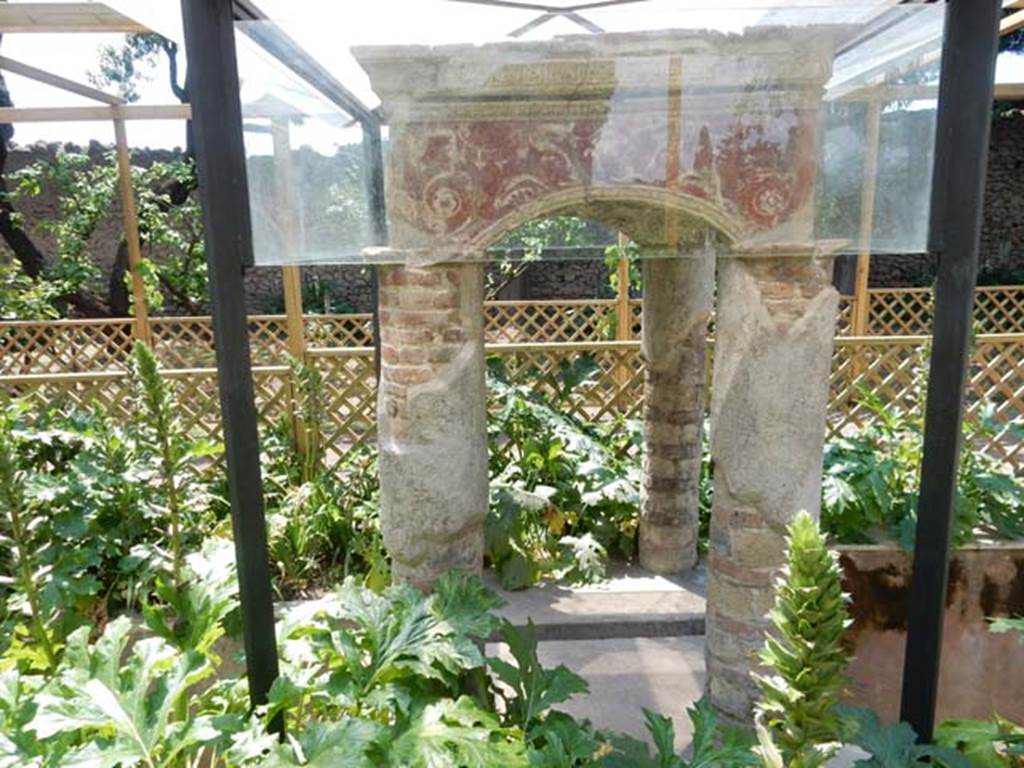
{"x":766,"y":123}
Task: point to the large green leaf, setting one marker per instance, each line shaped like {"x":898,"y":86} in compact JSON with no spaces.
{"x":123,"y":711}
{"x":534,"y":690}
{"x":456,"y":734}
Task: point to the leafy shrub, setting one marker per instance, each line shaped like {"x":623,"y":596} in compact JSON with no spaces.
{"x":713,"y":747}
{"x":563,"y":493}
{"x":174,"y":264}
{"x":21,"y":537}
{"x":869,"y":489}
{"x":894,"y":746}
{"x":366,"y":679}
{"x":26,"y":298}
{"x":81,"y":481}
{"x":323,"y":524}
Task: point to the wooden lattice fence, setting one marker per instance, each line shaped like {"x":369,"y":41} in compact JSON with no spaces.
{"x":86,"y":361}
{"x":892,"y":368}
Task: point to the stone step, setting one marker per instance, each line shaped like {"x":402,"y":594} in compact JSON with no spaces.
{"x":632,"y":603}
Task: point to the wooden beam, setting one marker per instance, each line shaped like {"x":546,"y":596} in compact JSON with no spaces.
{"x":223,"y":190}
{"x":48,"y":78}
{"x":140,"y":311}
{"x":623,"y":312}
{"x":861,"y":297}
{"x":1011,"y":23}
{"x":291,"y":273}
{"x":1009,"y":91}
{"x":65,"y":17}
{"x":114,"y":112}
{"x":971,"y":44}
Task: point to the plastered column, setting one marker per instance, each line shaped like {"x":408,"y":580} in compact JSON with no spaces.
{"x":774,"y":329}
{"x":432,"y":421}
{"x":677,"y":303}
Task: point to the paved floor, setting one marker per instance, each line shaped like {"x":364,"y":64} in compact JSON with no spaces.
{"x":626,"y":675}
{"x":637,"y":639}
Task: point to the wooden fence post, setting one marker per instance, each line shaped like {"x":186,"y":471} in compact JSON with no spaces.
{"x":623,"y":312}
{"x":142,"y":329}
{"x":861,"y":296}
{"x":291,"y":273}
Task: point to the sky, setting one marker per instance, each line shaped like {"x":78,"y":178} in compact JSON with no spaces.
{"x":328,"y":28}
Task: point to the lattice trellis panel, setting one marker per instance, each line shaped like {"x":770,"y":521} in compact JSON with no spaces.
{"x":893,"y":371}
{"x":354,"y":330}
{"x":996,"y":381}
{"x":349,"y":400}
{"x":999,"y":309}
{"x":900,"y":312}
{"x":844,"y":316}
{"x":107,"y":391}
{"x":541,"y":321}
{"x":183,"y":342}
{"x":66,"y":346}
{"x":616,"y":389}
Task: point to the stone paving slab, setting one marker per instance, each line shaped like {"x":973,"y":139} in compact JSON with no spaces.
{"x":664,"y":674}
{"x":632,"y":603}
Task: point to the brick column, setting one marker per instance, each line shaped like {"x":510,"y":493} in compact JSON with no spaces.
{"x":432,"y":420}
{"x":678,"y":297}
{"x":774,"y":331}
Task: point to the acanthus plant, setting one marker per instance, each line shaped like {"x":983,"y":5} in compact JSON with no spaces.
{"x":323,"y":523}
{"x":392,"y":679}
{"x":23,"y":537}
{"x":174,"y":454}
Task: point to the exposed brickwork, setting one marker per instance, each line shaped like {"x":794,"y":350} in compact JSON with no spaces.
{"x":432,"y":420}
{"x":675,"y":353}
{"x":773,"y":351}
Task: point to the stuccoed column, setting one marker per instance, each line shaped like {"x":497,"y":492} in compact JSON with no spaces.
{"x":432,"y":421}
{"x":677,"y":302}
{"x":774,"y":328}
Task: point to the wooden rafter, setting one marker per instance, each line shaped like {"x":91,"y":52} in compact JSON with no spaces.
{"x":48,"y":78}
{"x":65,"y":17}
{"x":113,"y":112}
{"x":1011,"y":23}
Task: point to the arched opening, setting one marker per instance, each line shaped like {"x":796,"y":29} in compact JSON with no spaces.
{"x":632,"y":413}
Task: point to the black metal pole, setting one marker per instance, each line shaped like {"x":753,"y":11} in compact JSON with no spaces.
{"x":220,"y":157}
{"x":961,"y":152}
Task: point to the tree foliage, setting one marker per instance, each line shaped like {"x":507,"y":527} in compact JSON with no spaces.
{"x":174,"y":264}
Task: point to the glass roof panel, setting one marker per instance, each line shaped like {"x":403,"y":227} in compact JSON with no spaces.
{"x":664,"y":119}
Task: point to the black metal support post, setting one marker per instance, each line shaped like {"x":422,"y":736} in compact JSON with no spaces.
{"x":220,"y":157}
{"x":965,"y":114}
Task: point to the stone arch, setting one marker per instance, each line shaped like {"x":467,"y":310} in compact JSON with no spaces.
{"x":643,"y":212}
